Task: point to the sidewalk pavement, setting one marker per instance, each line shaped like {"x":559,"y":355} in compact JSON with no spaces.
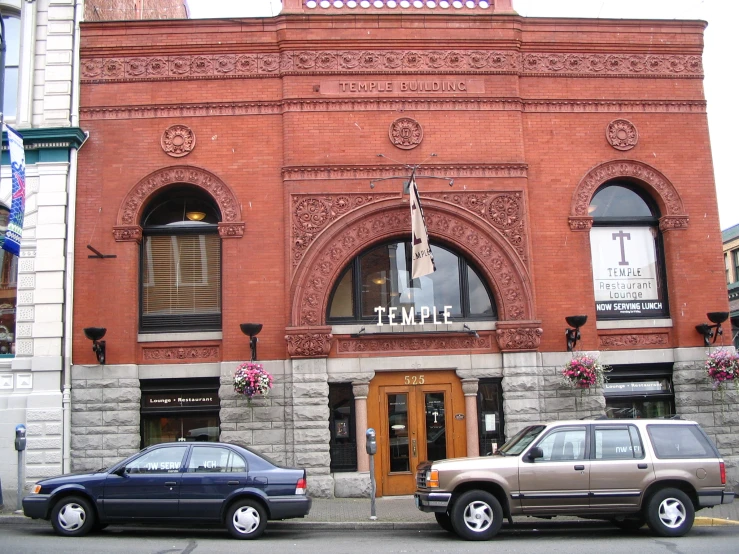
{"x":396,"y":512}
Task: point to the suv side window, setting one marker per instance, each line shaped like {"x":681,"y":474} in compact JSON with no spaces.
{"x":564,"y":444}
{"x":679,"y":441}
{"x":617,"y":443}
{"x":214,"y":459}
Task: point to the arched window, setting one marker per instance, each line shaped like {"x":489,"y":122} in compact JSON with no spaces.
{"x":380,"y":278}
{"x":181,"y":263}
{"x":627,"y":255}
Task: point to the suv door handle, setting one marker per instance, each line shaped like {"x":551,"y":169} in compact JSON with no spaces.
{"x":642,"y":466}
{"x":233,"y":482}
{"x":579,"y":468}
{"x":170,"y":483}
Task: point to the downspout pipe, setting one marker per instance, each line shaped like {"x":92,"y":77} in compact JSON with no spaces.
{"x":74,"y":114}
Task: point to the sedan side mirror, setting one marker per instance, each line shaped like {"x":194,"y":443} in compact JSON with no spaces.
{"x":535,"y":453}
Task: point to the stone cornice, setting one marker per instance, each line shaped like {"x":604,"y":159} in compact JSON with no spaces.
{"x":57,"y":137}
{"x":327,"y":172}
{"x":387,"y":62}
{"x":269,"y":107}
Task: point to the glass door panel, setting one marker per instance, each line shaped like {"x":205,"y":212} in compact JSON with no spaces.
{"x":397,"y":418}
{"x":435,"y":426}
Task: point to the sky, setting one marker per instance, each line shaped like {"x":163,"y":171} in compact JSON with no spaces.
{"x":721,"y":15}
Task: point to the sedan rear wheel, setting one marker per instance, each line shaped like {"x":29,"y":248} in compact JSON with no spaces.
{"x":477,"y":516}
{"x":73,"y":516}
{"x":670,"y":513}
{"x":246,"y":519}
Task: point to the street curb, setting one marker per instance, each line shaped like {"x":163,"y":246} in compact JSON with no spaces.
{"x":713,"y":522}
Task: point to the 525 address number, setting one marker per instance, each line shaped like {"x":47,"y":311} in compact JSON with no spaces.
{"x":413,"y":380}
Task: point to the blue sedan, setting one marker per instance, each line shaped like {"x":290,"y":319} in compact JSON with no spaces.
{"x":194,"y":483}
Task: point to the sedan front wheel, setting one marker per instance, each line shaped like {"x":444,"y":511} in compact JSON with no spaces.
{"x":73,"y":516}
{"x":246,"y":519}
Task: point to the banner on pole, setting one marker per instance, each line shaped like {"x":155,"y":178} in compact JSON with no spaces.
{"x":422,"y":257}
{"x":13,"y":235}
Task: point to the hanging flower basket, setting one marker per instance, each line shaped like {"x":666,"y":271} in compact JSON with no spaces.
{"x":251,"y":379}
{"x":583,"y":372}
{"x":722,"y":367}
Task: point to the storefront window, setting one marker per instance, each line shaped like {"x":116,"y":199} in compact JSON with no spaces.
{"x":380,"y":277}
{"x":636,"y":392}
{"x":8,"y":292}
{"x":343,"y":443}
{"x":179,"y":410}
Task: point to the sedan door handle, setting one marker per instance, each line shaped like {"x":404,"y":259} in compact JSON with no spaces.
{"x":170,"y":483}
{"x":579,"y":468}
{"x":233,"y":482}
{"x":642,"y":466}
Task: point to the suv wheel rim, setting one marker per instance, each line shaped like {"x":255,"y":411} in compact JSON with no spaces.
{"x":246,"y":520}
{"x":72,"y":517}
{"x":672,"y":513}
{"x":478,"y":516}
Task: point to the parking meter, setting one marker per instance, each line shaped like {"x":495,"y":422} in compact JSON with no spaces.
{"x":20,"y":437}
{"x":371,"y":442}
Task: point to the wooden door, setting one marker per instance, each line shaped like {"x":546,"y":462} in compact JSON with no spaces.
{"x":419,"y":417}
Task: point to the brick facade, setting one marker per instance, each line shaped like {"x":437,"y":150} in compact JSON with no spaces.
{"x":289,"y":115}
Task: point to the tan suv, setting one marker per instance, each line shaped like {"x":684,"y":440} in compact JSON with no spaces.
{"x":631,"y":472}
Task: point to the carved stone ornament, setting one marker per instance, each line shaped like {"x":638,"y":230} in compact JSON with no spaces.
{"x":660,"y":188}
{"x":622,"y":134}
{"x":308,"y":342}
{"x":180,"y":353}
{"x":329,"y":252}
{"x":129,"y":214}
{"x":518,"y":336}
{"x":178,"y":141}
{"x":406,"y":133}
{"x":634,"y":340}
{"x":317,"y":62}
{"x":412,"y":343}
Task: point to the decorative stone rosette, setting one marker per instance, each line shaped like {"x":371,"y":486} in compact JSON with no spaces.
{"x":308,"y":342}
{"x":622,"y":134}
{"x":178,"y":141}
{"x":405,"y":133}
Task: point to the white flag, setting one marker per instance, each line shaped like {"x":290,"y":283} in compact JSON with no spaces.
{"x":423,"y":259}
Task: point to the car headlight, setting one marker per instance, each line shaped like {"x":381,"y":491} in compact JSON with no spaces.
{"x":432,"y":478}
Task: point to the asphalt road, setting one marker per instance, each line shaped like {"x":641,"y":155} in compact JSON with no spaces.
{"x":549,"y":537}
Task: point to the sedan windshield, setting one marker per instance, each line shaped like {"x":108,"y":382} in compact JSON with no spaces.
{"x":521,"y":440}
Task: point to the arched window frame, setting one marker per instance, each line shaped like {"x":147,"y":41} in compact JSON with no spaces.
{"x":183,"y":322}
{"x":622,"y":222}
{"x":355,"y":267}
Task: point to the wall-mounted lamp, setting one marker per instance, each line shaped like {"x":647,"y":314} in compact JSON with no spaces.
{"x":98,"y":346}
{"x":252,"y":329}
{"x":470,"y":331}
{"x":195,"y":216}
{"x":573,"y":332}
{"x":717,"y":318}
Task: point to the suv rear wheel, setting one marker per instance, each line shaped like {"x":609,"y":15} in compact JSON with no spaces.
{"x":476,"y":516}
{"x":670,"y":513}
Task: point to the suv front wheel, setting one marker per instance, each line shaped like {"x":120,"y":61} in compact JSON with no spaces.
{"x":476,"y":516}
{"x":670,"y":513}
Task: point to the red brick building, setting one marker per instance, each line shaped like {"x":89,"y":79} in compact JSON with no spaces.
{"x":232,"y":172}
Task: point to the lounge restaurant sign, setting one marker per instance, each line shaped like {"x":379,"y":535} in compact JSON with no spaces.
{"x":625,"y":272}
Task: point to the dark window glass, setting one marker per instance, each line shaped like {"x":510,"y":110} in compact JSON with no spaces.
{"x":618,"y":201}
{"x":563,"y":445}
{"x":490,"y":415}
{"x":343,"y":442}
{"x":381,"y":277}
{"x":618,"y":443}
{"x":680,"y":441}
{"x":735,"y":255}
{"x":162,"y":460}
{"x":214,"y":459}
{"x":8,"y":291}
{"x":181,"y":263}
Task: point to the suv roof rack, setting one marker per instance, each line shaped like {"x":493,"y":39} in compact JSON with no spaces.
{"x":601,"y":416}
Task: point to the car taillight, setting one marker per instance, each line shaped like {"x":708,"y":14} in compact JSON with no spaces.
{"x":301,"y":486}
{"x":722,"y":470}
